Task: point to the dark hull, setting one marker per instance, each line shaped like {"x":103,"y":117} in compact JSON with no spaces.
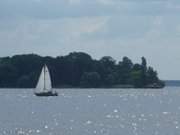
{"x":46,"y":94}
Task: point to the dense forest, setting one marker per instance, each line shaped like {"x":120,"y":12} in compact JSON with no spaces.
{"x":77,"y":69}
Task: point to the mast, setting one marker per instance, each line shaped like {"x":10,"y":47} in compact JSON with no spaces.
{"x":44,"y":77}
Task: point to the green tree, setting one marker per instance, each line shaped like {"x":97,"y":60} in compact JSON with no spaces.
{"x":90,"y":79}
{"x":136,"y":75}
{"x":23,"y":82}
{"x":76,"y":69}
{"x":124,"y":71}
{"x":110,"y":80}
{"x":78,"y":63}
{"x":106,"y":69}
{"x":8,"y":75}
{"x":151,"y":76}
{"x":137,"y":78}
{"x":144,"y":71}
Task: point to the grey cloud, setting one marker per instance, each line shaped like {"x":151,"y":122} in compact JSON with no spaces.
{"x":48,"y":9}
{"x":133,"y":28}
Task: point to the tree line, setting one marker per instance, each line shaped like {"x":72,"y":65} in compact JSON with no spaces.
{"x":77,"y":69}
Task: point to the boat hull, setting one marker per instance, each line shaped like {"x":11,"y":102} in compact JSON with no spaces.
{"x":46,"y":94}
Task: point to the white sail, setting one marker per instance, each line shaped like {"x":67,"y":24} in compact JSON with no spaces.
{"x":44,"y":82}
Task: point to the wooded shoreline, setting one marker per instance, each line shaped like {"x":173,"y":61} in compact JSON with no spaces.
{"x":78,"y":69}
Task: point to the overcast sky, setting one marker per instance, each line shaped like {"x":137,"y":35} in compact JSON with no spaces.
{"x":118,"y":28}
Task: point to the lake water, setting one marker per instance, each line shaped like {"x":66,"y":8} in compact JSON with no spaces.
{"x":91,"y":112}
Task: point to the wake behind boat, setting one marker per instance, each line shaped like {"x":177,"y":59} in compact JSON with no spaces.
{"x":44,"y":85}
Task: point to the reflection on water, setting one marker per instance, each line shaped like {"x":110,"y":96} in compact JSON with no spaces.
{"x":91,"y":111}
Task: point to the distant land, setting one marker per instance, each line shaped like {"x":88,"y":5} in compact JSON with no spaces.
{"x":175,"y":83}
{"x":78,"y":70}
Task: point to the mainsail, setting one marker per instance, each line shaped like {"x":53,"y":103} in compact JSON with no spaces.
{"x":44,"y":82}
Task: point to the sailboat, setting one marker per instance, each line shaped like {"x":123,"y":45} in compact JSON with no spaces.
{"x":44,"y":86}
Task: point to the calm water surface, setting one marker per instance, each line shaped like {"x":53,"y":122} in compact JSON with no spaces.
{"x":91,"y":112}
